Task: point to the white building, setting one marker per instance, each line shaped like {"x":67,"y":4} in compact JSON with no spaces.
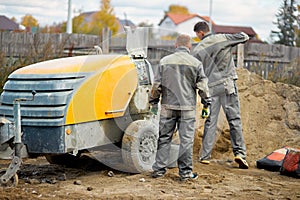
{"x":174,"y":24}
{"x":180,"y":23}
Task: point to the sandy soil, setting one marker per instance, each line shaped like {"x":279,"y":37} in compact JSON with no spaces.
{"x":271,"y":119}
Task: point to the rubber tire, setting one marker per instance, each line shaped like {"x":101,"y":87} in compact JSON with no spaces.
{"x":139,"y":146}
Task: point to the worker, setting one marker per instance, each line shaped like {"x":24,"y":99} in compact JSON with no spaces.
{"x":214,"y":51}
{"x":178,"y":77}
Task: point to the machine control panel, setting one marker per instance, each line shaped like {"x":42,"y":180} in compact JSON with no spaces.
{"x":143,"y":69}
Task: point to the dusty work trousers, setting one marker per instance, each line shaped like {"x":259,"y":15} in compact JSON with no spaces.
{"x":185,"y":122}
{"x":231,"y":106}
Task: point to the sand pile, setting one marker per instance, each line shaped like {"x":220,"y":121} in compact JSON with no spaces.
{"x":270,"y":116}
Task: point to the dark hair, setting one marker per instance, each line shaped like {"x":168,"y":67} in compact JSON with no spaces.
{"x":201,"y":26}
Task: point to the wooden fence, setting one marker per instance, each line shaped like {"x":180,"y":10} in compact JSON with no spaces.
{"x":21,"y":44}
{"x":264,"y":58}
{"x":259,"y":58}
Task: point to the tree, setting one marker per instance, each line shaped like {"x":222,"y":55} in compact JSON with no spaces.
{"x":177,"y":9}
{"x":104,"y":18}
{"x":13,"y":19}
{"x":79,"y":25}
{"x":286,"y":21}
{"x":103,"y":22}
{"x":54,"y":28}
{"x":29,"y":21}
{"x":297,"y":29}
{"x":145,"y":24}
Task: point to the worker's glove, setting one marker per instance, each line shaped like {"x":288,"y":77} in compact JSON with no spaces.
{"x":205,"y":113}
{"x":154,"y":109}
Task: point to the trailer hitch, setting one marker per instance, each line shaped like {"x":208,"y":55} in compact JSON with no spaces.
{"x":10,"y":176}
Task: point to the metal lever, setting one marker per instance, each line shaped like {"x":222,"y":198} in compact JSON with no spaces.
{"x":16,"y":161}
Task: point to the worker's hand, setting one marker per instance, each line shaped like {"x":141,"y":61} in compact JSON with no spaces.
{"x":154,"y":109}
{"x":205,"y":113}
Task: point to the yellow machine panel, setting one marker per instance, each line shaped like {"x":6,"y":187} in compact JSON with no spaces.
{"x":108,"y":86}
{"x":104,"y":95}
{"x":91,"y":63}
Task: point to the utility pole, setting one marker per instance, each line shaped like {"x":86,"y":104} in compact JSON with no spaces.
{"x":69,"y":21}
{"x":210,"y":14}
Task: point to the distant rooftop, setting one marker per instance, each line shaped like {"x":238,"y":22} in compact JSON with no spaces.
{"x":7,"y":24}
{"x":179,"y":18}
{"x":126,"y":22}
{"x":233,"y":29}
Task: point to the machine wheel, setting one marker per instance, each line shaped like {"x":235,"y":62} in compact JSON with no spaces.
{"x":139,"y":146}
{"x":13,"y":182}
{"x":67,"y":160}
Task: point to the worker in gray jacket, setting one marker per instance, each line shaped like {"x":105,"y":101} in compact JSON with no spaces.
{"x":176,"y":82}
{"x":214,"y":51}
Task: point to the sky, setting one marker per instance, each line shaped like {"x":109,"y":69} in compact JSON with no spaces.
{"x":258,"y":14}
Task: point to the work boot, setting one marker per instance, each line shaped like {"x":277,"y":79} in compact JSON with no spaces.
{"x":158,"y":174}
{"x":242,"y":162}
{"x":190,"y":176}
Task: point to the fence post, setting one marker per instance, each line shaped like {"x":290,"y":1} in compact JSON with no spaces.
{"x":105,"y":40}
{"x":240,"y":55}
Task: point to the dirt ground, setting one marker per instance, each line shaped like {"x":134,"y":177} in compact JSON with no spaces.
{"x":271,"y":120}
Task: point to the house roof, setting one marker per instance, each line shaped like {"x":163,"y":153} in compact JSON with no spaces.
{"x":7,"y":24}
{"x":179,"y":18}
{"x":123,"y":22}
{"x":88,"y":13}
{"x":126,"y":22}
{"x":234,"y":29}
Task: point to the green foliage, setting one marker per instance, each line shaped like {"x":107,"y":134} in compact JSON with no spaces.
{"x":286,"y":22}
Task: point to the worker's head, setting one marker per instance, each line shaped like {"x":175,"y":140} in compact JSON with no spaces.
{"x":183,"y":40}
{"x":201,"y":28}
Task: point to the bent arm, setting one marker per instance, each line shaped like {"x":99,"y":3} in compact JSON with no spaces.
{"x":237,"y":38}
{"x":202,"y":86}
{"x":156,"y":87}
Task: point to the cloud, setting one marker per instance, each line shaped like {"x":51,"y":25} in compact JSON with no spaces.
{"x":257,"y":14}
{"x":44,"y":11}
{"x":140,"y":15}
{"x":41,"y":4}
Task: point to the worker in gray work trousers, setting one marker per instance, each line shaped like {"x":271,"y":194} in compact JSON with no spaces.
{"x":214,"y":51}
{"x":176,"y":82}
